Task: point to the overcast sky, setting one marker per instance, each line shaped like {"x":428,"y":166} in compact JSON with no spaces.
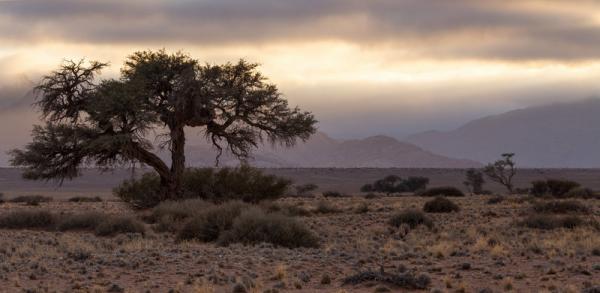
{"x":363,"y":67}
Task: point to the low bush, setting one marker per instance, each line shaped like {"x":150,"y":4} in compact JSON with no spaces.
{"x":179,"y":210}
{"x":395,"y":184}
{"x":553,"y":187}
{"x":86,"y":221}
{"x":305,"y":188}
{"x":244,"y":183}
{"x":287,"y":209}
{"x":440,"y":205}
{"x":27,"y":220}
{"x":581,"y":192}
{"x":496,"y":199}
{"x":209,"y":225}
{"x":362,"y":208}
{"x":412,"y":218}
{"x":332,"y":194}
{"x":560,"y":207}
{"x":442,"y":191}
{"x":404,"y":280}
{"x":31,"y":199}
{"x":1,"y":198}
{"x":549,"y":222}
{"x":85,"y":199}
{"x":119,"y":225}
{"x":324,"y":207}
{"x":255,"y":226}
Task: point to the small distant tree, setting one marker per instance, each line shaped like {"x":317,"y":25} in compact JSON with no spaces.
{"x":474,"y":181}
{"x":415,"y":183}
{"x":502,"y":171}
{"x":116,"y":122}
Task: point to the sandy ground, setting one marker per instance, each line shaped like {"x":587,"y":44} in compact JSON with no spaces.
{"x":476,"y":248}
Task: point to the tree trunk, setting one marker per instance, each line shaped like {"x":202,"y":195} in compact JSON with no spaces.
{"x":178,"y":163}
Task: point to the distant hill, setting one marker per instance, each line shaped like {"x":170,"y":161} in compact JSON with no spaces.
{"x":323,"y":151}
{"x":556,"y":135}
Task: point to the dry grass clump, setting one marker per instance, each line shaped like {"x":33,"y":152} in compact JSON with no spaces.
{"x":255,"y":226}
{"x":209,"y":225}
{"x":27,"y":220}
{"x":87,"y":221}
{"x":324,"y":207}
{"x":119,"y":225}
{"x":402,"y":280}
{"x":440,"y":205}
{"x":412,"y":218}
{"x":560,"y":207}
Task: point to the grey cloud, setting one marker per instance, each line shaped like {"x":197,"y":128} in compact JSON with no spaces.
{"x":430,"y":27}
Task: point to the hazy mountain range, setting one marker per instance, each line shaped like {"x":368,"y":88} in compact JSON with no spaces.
{"x":556,"y":135}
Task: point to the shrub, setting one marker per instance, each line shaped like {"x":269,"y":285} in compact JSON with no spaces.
{"x":31,"y":199}
{"x":538,"y":188}
{"x":209,"y":225}
{"x":118,"y":225}
{"x":362,"y":208}
{"x":324,"y":207}
{"x":332,"y":194}
{"x":402,"y":280}
{"x":496,"y":199}
{"x":415,"y":183}
{"x":560,"y":187}
{"x":440,"y":205}
{"x":254,"y":226}
{"x":442,"y":191}
{"x":179,"y":210}
{"x":87,"y":221}
{"x":244,"y":183}
{"x":412,"y":218}
{"x":581,"y":192}
{"x":394,"y":184}
{"x":1,"y":198}
{"x":560,"y":207}
{"x":474,"y":181}
{"x":85,"y":199}
{"x":27,"y":220}
{"x":549,"y":222}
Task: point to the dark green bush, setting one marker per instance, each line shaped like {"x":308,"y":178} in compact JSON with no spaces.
{"x":539,"y":188}
{"x":332,"y":194}
{"x":560,"y":187}
{"x":442,"y":191}
{"x":244,"y":183}
{"x":412,"y":218}
{"x":440,"y":205}
{"x":27,"y":220}
{"x":254,"y":226}
{"x":85,"y":199}
{"x":31,"y":199}
{"x":86,"y":221}
{"x":395,"y":184}
{"x":560,"y":207}
{"x":209,"y":225}
{"x":581,"y":192}
{"x":549,"y":222}
{"x":119,"y":225}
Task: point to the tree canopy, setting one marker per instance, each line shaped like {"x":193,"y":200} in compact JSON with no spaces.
{"x":114,"y":122}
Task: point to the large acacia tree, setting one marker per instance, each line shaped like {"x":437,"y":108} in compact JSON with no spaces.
{"x":114,"y":122}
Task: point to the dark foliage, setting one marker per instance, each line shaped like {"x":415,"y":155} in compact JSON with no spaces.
{"x":474,"y":181}
{"x":412,"y":218}
{"x":208,"y":225}
{"x":496,"y":199}
{"x":331,"y":193}
{"x":119,"y":225}
{"x":402,"y":280}
{"x":581,"y":192}
{"x":549,"y":222}
{"x":86,"y":221}
{"x":244,"y":183}
{"x":539,"y":188}
{"x":112,"y":123}
{"x":440,"y":205}
{"x":305,"y":188}
{"x":85,"y":199}
{"x":560,"y":207}
{"x":395,"y":184}
{"x":27,"y":220}
{"x":31,"y":199}
{"x":254,"y":226}
{"x":502,"y":171}
{"x":553,"y":187}
{"x":442,"y":191}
